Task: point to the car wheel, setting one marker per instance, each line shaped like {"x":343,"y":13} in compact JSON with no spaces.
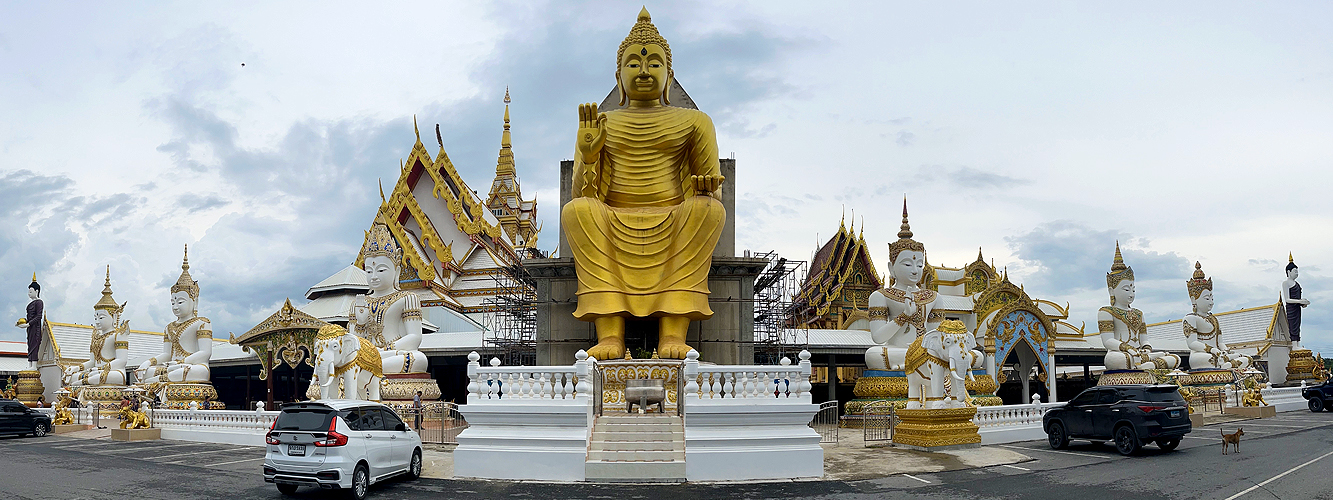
{"x":414,"y":467}
{"x":1126,"y":440}
{"x":360,"y":483}
{"x":1168,"y":444}
{"x":39,"y":430}
{"x":1056,"y":436}
{"x":1316,"y":404}
{"x":286,"y":489}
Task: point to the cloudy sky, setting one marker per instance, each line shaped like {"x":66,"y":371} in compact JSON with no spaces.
{"x":1040,"y":132}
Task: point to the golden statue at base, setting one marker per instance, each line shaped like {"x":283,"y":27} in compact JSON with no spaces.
{"x":645,"y":214}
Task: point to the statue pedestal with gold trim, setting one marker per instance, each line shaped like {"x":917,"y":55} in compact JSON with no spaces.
{"x":936,"y":429}
{"x":28,"y":387}
{"x":1122,"y":377}
{"x":398,"y":389}
{"x":178,"y":396}
{"x":1303,"y":365}
{"x":102,"y":397}
{"x":1205,"y":387}
{"x":891,"y":385}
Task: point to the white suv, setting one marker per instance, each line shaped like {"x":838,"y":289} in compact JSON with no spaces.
{"x":339,"y":444}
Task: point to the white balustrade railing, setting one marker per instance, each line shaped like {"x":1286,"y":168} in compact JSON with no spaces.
{"x":527,"y":382}
{"x":747,"y":382}
{"x":1012,"y":415}
{"x":257,"y":422}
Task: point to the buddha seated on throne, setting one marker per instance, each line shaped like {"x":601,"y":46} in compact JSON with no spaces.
{"x":646,"y":213}
{"x":1122,"y":327}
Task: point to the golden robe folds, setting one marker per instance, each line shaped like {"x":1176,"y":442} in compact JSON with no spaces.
{"x":642,"y":240}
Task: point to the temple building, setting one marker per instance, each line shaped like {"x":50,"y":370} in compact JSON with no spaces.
{"x":841,"y":278}
{"x":517,"y":216}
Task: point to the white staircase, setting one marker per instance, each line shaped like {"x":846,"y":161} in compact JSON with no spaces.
{"x":637,"y":448}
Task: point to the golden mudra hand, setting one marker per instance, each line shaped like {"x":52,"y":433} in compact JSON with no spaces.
{"x":706,"y":184}
{"x":592,"y":132}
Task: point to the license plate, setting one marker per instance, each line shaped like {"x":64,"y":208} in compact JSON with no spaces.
{"x":1175,"y":414}
{"x":296,"y":450}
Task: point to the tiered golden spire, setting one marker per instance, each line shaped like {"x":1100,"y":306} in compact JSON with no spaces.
{"x":504,"y":165}
{"x":1119,"y":271}
{"x":107,"y":302}
{"x":905,"y":241}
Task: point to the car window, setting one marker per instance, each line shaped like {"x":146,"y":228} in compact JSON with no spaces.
{"x":1107,"y":397}
{"x":371,"y":420}
{"x":353,"y":418}
{"x":1086,"y":398}
{"x":391,"y":420}
{"x":304,"y":419}
{"x":1162,"y":395}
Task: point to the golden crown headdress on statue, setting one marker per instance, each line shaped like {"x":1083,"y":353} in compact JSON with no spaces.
{"x":1119,"y":271}
{"x":185,"y":283}
{"x":108,"y":303}
{"x":905,"y":241}
{"x":952,"y":326}
{"x":1198,"y":284}
{"x":380,"y":243}
{"x":330,"y":332}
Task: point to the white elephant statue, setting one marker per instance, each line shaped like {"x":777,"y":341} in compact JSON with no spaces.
{"x":946,"y":352}
{"x":346,"y":366}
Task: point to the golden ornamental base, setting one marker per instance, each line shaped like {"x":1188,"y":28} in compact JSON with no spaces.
{"x":1304,"y":366}
{"x":398,"y":389}
{"x":1208,"y":378}
{"x":150,"y":434}
{"x":92,"y":394}
{"x":936,"y":429}
{"x":1121,"y":377}
{"x":178,"y":396}
{"x":28,"y":388}
{"x":855,"y":406}
{"x":1266,"y":411}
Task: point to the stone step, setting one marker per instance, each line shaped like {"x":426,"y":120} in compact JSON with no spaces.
{"x":600,"y":435}
{"x":618,"y":427}
{"x":637,"y":472}
{"x":598,"y":445}
{"x":636,"y":456}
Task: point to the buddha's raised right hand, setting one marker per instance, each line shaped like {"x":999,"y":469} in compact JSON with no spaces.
{"x":592,"y":132}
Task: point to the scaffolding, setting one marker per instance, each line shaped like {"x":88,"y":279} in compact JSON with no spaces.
{"x":511,"y":318}
{"x":778,"y":331}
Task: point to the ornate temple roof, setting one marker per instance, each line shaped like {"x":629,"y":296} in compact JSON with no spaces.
{"x":516,"y":216}
{"x":833,"y":267}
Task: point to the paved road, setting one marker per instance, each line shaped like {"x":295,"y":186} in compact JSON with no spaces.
{"x":1288,"y":457}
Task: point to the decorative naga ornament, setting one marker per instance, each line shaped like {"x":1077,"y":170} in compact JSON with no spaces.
{"x":1122,"y":328}
{"x":1203,"y":334}
{"x":646,"y":211}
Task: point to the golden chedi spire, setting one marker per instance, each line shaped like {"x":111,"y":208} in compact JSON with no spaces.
{"x":186,"y":283}
{"x":1119,"y":271}
{"x":504,"y":165}
{"x":1197,"y":284}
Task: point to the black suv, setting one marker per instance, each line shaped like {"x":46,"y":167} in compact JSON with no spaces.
{"x":15,"y":418}
{"x":1131,"y":415}
{"x":1319,"y":397}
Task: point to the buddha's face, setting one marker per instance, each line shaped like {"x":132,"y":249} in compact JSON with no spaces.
{"x":908,"y":269}
{"x":182,"y":305}
{"x":381,"y":274}
{"x":1204,"y":304}
{"x":32,"y":294}
{"x":1123,"y":294}
{"x":103,"y":321}
{"x":643,"y":73}
{"x":1293,"y":273}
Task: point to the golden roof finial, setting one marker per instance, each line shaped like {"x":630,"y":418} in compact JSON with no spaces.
{"x":506,"y":94}
{"x":979,"y":257}
{"x":416,"y":130}
{"x":382,"y":198}
{"x":439,"y":138}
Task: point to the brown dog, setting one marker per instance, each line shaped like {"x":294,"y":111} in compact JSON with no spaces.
{"x":1232,"y":439}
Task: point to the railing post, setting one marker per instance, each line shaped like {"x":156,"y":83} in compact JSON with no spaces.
{"x":473,"y":390}
{"x":691,"y":374}
{"x":583,"y":388}
{"x":805,"y":375}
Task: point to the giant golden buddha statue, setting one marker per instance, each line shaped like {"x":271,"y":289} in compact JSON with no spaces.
{"x":645,"y":213}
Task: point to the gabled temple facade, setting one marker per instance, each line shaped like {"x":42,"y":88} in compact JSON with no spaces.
{"x":517,"y":216}
{"x":453,"y":246}
{"x":842,"y":276}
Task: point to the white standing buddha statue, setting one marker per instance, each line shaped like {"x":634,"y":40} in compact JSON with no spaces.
{"x":900,"y":314}
{"x":110,"y":346}
{"x":1122,"y":328}
{"x":188,"y":342}
{"x":1202,"y":332}
{"x":390,"y":318}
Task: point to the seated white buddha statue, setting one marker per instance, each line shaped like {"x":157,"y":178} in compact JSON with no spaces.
{"x":1202,"y":332}
{"x":188,"y":342}
{"x":110,"y":345}
{"x":388,"y":317}
{"x":899,"y":314}
{"x":1122,"y":327}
